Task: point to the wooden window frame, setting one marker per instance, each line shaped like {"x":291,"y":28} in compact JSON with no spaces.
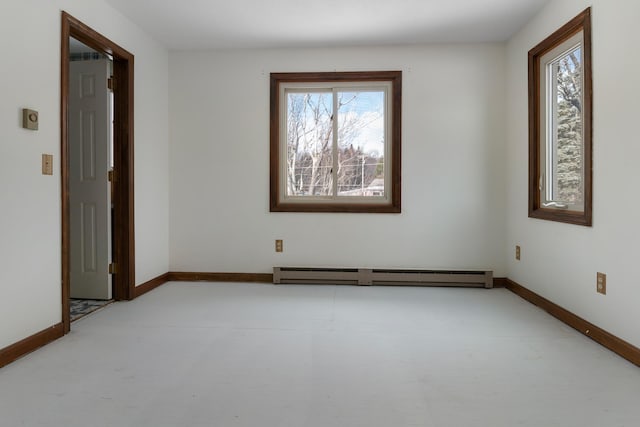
{"x":581,"y":23}
{"x":393,"y":203}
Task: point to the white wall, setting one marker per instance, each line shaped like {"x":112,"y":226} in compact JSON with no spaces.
{"x":560,"y":261}
{"x":452,"y":174}
{"x":30,"y":263}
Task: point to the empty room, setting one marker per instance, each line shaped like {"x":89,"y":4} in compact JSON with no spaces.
{"x":296,"y":213}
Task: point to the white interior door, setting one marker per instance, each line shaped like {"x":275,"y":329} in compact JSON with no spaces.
{"x":89,"y":187}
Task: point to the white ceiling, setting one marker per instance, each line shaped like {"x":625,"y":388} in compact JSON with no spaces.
{"x":208,"y":24}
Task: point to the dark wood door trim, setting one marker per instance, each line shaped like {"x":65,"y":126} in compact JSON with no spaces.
{"x":123,"y":215}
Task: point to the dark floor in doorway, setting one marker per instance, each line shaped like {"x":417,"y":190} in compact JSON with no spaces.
{"x":81,"y":307}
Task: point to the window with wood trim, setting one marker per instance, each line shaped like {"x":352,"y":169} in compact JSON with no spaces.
{"x":560,"y":105}
{"x":335,"y":142}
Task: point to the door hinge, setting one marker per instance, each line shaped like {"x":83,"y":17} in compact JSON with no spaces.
{"x":111,"y":175}
{"x":111,"y":83}
{"x":113,"y":268}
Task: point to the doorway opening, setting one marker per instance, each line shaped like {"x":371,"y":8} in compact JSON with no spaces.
{"x":90,"y":145}
{"x":97,"y":176}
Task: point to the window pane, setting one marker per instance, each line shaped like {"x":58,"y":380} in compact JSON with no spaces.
{"x":361,"y":143}
{"x":566,"y":162}
{"x":309,"y":143}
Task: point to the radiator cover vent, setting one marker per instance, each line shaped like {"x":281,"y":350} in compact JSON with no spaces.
{"x":382,"y":276}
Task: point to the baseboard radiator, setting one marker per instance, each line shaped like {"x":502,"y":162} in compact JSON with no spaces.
{"x":376,"y":276}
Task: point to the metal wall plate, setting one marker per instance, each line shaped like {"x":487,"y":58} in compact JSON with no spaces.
{"x":29,"y":119}
{"x":47,"y":164}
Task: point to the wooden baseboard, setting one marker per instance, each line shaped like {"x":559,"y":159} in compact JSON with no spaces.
{"x":599,"y":335}
{"x":29,"y":344}
{"x":500,"y":282}
{"x":150,"y":285}
{"x":187,"y":276}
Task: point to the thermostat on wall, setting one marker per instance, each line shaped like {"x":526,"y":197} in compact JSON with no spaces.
{"x":29,"y":119}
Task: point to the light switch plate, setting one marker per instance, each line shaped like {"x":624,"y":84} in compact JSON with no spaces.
{"x":29,"y":119}
{"x":601,"y":283}
{"x":47,"y":164}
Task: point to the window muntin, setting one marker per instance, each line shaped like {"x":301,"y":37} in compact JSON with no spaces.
{"x":560,"y":177}
{"x":337,"y":144}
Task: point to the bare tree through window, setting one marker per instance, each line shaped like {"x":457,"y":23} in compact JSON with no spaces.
{"x":312,"y":148}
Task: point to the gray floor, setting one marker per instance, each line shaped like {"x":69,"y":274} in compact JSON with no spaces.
{"x":204,"y":354}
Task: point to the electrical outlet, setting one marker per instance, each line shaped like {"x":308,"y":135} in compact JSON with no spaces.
{"x":601,"y":283}
{"x":518,"y":252}
{"x":278,"y":245}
